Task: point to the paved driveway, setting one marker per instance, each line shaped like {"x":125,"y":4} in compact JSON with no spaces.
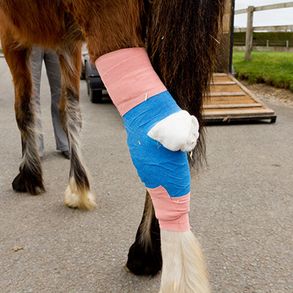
{"x":241,"y":208}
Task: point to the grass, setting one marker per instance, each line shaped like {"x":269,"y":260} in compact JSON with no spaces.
{"x":273,"y":68}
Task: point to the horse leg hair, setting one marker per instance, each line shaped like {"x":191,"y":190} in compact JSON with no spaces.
{"x":77,"y":194}
{"x":29,"y":178}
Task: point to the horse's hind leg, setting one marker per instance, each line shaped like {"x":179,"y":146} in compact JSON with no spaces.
{"x":103,"y":36}
{"x":144,"y":257}
{"x":77,"y":194}
{"x":29,"y":178}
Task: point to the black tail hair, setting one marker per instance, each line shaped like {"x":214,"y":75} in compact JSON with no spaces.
{"x":181,"y":40}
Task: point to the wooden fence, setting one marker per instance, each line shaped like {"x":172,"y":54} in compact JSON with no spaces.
{"x":250,"y":28}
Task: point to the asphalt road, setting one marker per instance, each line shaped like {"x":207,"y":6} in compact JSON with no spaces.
{"x":241,"y":208}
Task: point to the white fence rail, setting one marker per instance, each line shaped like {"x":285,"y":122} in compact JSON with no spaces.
{"x":267,"y":7}
{"x":250,"y":28}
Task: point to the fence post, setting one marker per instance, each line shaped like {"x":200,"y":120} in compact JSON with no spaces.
{"x":249,"y":33}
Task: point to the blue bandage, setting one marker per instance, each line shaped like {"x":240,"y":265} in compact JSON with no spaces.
{"x":156,"y":165}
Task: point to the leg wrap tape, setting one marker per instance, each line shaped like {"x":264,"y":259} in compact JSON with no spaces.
{"x":172,"y":213}
{"x":143,"y":101}
{"x":129,"y":77}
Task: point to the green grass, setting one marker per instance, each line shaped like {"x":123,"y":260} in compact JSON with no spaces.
{"x":273,"y":68}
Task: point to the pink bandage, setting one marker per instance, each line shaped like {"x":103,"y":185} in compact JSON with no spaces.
{"x":129,"y":77}
{"x":172,"y":212}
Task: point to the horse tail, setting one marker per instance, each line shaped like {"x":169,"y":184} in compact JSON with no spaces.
{"x":181,"y":41}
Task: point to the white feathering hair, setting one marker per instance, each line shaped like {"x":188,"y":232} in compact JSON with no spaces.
{"x":184,"y":269}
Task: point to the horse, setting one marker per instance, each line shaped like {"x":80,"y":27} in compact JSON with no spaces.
{"x":180,"y":38}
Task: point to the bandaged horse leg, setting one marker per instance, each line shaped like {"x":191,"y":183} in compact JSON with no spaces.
{"x":150,"y":116}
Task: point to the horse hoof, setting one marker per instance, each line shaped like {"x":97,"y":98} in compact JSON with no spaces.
{"x":144,"y":262}
{"x":18,"y":184}
{"x":26,"y":182}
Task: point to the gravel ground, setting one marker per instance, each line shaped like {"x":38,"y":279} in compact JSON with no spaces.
{"x":241,"y":208}
{"x":269,"y":94}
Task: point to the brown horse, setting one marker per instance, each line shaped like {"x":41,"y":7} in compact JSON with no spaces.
{"x":180,"y":39}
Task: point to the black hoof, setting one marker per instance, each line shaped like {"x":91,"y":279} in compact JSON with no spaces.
{"x":142,"y":261}
{"x":18,"y":184}
{"x":26,"y":181}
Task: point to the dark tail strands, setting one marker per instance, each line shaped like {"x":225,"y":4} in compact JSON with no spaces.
{"x":186,"y":34}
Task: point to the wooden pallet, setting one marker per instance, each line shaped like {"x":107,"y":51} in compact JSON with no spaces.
{"x":231,"y":101}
